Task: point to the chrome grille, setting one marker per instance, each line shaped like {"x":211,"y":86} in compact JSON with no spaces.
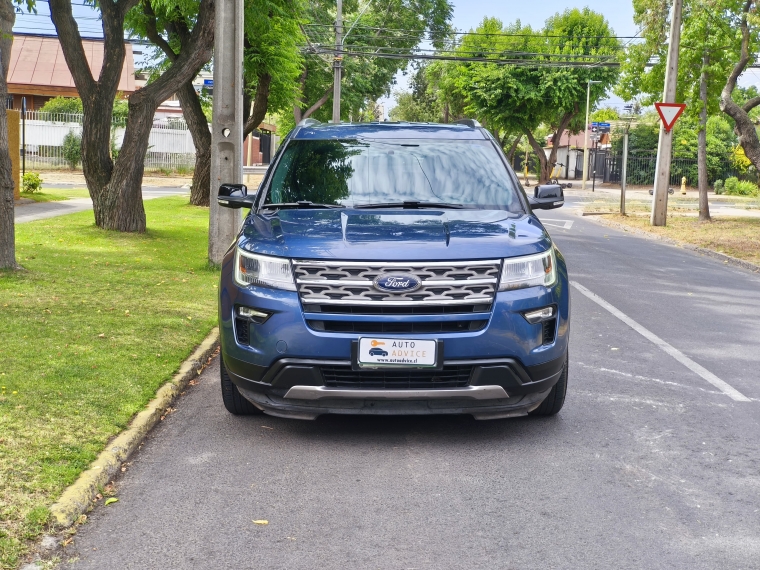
{"x":442,"y":283}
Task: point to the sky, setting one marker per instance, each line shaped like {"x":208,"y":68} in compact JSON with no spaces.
{"x":469,"y":13}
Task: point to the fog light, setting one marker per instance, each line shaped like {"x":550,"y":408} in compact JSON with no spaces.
{"x":534,"y":317}
{"x":251,"y":313}
{"x":257,"y":316}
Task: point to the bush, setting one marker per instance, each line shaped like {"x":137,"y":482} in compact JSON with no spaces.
{"x":735,"y":187}
{"x":31,"y":182}
{"x":718,"y":187}
{"x":72,"y":149}
{"x":63,"y":106}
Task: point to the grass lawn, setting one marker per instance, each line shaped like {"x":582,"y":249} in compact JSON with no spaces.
{"x":56,"y":194}
{"x":737,"y":237}
{"x":93,"y":326}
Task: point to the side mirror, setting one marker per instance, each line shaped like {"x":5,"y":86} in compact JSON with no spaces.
{"x":235,"y":196}
{"x":547,"y":197}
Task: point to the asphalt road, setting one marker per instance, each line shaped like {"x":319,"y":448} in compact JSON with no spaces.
{"x":651,"y":463}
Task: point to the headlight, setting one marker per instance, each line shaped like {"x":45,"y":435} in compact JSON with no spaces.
{"x":253,"y":269}
{"x":529,"y":271}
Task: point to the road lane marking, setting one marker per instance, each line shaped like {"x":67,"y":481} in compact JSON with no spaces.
{"x":728,"y":390}
{"x":646,"y":378}
{"x":565,"y":224}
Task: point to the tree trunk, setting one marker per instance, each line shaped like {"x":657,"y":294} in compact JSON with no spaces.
{"x":116,"y":190}
{"x":704,"y":207}
{"x":260,"y":105}
{"x":744,"y":127}
{"x":192,"y":110}
{"x":547,"y":163}
{"x":513,"y":149}
{"x":126,"y":181}
{"x":197,"y":124}
{"x":544,"y":172}
{"x":97,"y":95}
{"x":7,"y":222}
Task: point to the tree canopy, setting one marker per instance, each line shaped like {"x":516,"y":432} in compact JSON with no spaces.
{"x":545,"y":81}
{"x":373,"y":30}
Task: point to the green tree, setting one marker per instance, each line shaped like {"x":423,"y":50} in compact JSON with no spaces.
{"x":421,"y":104}
{"x":393,"y":27}
{"x":541,"y":86}
{"x":271,"y":67}
{"x":116,"y":185}
{"x":72,"y":149}
{"x":709,"y":49}
{"x":605,"y":114}
{"x":273,"y":62}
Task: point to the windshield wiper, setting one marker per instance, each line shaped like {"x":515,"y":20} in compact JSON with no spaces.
{"x":301,"y":205}
{"x":414,"y":205}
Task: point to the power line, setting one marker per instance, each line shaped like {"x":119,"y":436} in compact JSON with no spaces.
{"x":483,"y":34}
{"x":446,"y":57}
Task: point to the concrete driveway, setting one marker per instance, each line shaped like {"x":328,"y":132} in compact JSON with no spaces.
{"x":41,"y":210}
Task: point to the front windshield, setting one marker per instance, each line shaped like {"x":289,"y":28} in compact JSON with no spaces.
{"x":360,"y":172}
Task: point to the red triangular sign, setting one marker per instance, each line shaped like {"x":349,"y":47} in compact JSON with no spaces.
{"x":669,"y":113}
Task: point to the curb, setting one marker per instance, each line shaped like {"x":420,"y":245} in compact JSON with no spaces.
{"x":725,"y":258}
{"x":77,"y":498}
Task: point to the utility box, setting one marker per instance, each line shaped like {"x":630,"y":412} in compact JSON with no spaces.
{"x":14,"y":149}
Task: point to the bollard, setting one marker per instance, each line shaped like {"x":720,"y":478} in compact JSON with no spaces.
{"x":683,"y":186}
{"x":525,"y":172}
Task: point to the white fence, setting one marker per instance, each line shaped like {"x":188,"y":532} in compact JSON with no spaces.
{"x":170,"y":145}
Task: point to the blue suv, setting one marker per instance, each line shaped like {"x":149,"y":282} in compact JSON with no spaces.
{"x":393,"y":268}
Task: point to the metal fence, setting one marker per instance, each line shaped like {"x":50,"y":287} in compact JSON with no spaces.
{"x":606,"y":166}
{"x":641,"y":169}
{"x":170,"y":146}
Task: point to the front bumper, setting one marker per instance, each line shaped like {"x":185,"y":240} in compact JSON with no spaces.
{"x":500,"y":388}
{"x":279,"y":368}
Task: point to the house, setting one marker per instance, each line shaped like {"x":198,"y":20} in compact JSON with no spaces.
{"x":38,"y":70}
{"x":570,"y":152}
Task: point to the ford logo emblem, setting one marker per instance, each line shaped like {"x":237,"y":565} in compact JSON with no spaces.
{"x":397,"y":283}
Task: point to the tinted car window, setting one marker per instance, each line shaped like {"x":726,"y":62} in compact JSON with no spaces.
{"x":358,"y":172}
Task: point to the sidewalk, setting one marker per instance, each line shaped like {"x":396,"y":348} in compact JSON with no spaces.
{"x":720,"y":206}
{"x":29,"y":212}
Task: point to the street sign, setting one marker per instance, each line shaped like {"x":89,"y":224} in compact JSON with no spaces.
{"x":669,"y":113}
{"x":597,"y":127}
{"x":208,"y":82}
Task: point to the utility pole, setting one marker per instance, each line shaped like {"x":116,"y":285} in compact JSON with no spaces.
{"x":226,"y":124}
{"x":23,"y":140}
{"x":337,"y":62}
{"x":624,"y":173}
{"x":665,"y":145}
{"x":585,"y":134}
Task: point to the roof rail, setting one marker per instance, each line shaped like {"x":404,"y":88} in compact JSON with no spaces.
{"x":308,"y":122}
{"x":467,"y":122}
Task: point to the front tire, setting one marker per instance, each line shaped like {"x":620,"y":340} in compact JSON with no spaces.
{"x":234,"y":402}
{"x":556,"y":399}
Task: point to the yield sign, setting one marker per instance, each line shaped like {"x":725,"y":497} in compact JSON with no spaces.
{"x":669,"y":113}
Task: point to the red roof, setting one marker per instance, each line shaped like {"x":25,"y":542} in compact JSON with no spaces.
{"x":38,"y":67}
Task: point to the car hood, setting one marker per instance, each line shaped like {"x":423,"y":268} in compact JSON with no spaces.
{"x":393,"y":235}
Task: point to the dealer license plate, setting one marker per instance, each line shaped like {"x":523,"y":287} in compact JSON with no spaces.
{"x":396,"y":352}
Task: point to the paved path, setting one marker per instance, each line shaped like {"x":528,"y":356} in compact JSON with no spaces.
{"x":649,"y":465}
{"x":42,"y":210}
{"x":718,"y":207}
